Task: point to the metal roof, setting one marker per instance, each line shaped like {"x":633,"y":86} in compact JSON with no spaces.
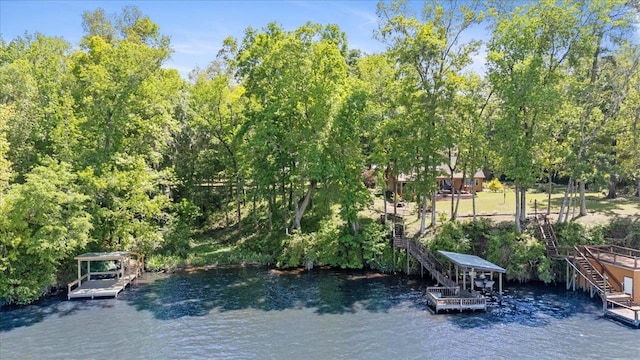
{"x":114,"y":255}
{"x":471,"y":261}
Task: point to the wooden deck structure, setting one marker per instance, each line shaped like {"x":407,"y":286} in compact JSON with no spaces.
{"x":449,"y":295}
{"x":118,"y":269}
{"x":609,"y":271}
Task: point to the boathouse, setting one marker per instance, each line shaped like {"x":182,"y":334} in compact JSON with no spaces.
{"x":612,"y":272}
{"x":473,"y":277}
{"x":105,"y":274}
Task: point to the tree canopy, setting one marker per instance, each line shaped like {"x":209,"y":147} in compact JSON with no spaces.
{"x":103,"y":147}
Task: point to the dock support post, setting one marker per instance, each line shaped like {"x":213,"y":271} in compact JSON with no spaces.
{"x":500,"y":287}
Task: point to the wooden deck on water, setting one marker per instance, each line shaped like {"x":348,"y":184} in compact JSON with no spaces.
{"x":623,"y":312}
{"x":123,"y":271}
{"x":101,"y":287}
{"x":448,"y":298}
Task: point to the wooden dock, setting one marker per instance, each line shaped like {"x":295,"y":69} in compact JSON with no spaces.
{"x":599,"y":269}
{"x":625,"y":313}
{"x":452,"y":298}
{"x":449,"y":295}
{"x":101,"y":287}
{"x":108,"y":283}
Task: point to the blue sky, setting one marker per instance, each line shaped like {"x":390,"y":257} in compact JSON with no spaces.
{"x":196,"y":28}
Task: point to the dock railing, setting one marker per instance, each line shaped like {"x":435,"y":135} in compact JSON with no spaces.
{"x":76,"y":283}
{"x":617,"y":254}
{"x":632,"y":312}
{"x":452,"y":298}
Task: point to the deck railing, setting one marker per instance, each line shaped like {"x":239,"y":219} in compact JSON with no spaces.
{"x":428,"y":261}
{"x":587,"y":278}
{"x":635,"y":310}
{"x":75,"y":283}
{"x":448,"y":298}
{"x":617,"y":254}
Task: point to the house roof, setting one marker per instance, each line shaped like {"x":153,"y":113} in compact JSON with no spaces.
{"x":458,"y":175}
{"x":444,"y":168}
{"x":471,"y":261}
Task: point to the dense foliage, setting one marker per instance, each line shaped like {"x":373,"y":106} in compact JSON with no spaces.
{"x":103,"y":148}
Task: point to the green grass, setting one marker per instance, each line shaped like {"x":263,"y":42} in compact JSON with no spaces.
{"x":489,"y":203}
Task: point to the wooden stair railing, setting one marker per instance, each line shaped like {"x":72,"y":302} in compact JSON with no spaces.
{"x":590,"y":272}
{"x":428,"y":261}
{"x":611,"y":278}
{"x":549,"y":237}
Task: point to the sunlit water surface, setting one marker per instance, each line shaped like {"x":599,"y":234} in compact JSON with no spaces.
{"x":256,"y":313}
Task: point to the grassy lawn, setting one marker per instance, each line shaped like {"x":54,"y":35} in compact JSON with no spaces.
{"x":504,"y":203}
{"x":501,"y":206}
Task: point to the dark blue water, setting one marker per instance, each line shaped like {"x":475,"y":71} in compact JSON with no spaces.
{"x":251,"y":313}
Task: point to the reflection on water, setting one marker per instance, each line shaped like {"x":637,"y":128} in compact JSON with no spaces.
{"x":246,"y":313}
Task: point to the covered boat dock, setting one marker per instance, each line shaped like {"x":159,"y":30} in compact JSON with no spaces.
{"x":111,"y":273}
{"x":477,"y":274}
{"x":475,"y":270}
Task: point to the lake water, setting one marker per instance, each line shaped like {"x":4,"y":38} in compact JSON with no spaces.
{"x":256,"y":313}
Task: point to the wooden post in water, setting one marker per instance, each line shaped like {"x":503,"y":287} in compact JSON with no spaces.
{"x":604,"y":293}
{"x":500,"y":287}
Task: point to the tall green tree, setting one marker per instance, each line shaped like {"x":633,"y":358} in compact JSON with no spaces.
{"x":600,"y":83}
{"x":125,"y":105}
{"x":530,"y":44}
{"x":430,"y":55}
{"x":218,"y":114}
{"x":34,"y":92}
{"x":295,"y":81}
{"x":43,"y":222}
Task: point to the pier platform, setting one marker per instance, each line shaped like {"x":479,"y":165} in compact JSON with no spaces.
{"x":115,"y":271}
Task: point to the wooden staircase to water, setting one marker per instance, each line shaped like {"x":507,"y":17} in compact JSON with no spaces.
{"x":548,"y":236}
{"x":447,"y":296}
{"x":586,"y":271}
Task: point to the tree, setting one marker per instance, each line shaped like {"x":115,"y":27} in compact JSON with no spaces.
{"x":295,"y":81}
{"x":5,"y":165}
{"x":124,"y":106}
{"x":430,"y":56}
{"x":218,"y":108}
{"x":600,"y":82}
{"x":35,"y":96}
{"x":471,"y":110}
{"x":43,"y":222}
{"x":526,"y":53}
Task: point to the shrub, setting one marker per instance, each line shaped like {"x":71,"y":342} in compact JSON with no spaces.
{"x":450,"y":237}
{"x":495,"y":185}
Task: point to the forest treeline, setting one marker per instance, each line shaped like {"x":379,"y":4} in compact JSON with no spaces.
{"x":103,"y":148}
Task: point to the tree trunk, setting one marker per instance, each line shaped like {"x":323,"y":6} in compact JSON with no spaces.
{"x":423,"y":214}
{"x":433,"y":208}
{"x":272,"y":206}
{"x":583,"y":200}
{"x":301,"y":207}
{"x":523,"y":204}
{"x":395,"y":200}
{"x":549,"y":191}
{"x":238,"y":208}
{"x":384,"y":199}
{"x":453,"y":195}
{"x":518,"y":225}
{"x":454,"y":215}
{"x":473,"y":200}
{"x":255,"y":207}
{"x":571,"y":204}
{"x":226,"y":207}
{"x":565,"y":200}
{"x":613,"y":184}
